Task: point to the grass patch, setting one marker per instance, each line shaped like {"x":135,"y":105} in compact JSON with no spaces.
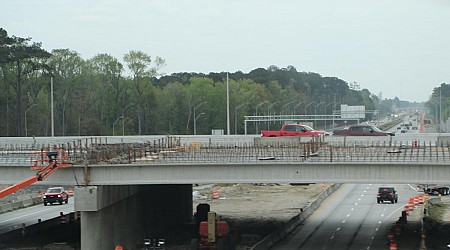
{"x":437,"y":212}
{"x":390,"y":124}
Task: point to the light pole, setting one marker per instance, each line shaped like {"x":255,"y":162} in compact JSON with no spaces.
{"x":306,"y":107}
{"x":51,"y":106}
{"x":315,"y":112}
{"x":195,"y":122}
{"x":298,"y":104}
{"x":256,"y":114}
{"x":235,"y":116}
{"x":326,"y":106}
{"x":282,"y":108}
{"x":123,"y":120}
{"x":315,"y":107}
{"x":26,"y":126}
{"x":332,"y":111}
{"x":114,"y":123}
{"x":268,"y":112}
{"x":437,"y":101}
{"x":196,"y":107}
{"x":259,"y":105}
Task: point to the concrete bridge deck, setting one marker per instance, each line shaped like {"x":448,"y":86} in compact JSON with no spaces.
{"x":152,"y":189}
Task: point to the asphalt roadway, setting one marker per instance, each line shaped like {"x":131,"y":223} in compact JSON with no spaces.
{"x":350,"y":219}
{"x":30,"y":215}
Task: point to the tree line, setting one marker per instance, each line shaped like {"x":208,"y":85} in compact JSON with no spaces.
{"x":97,"y":97}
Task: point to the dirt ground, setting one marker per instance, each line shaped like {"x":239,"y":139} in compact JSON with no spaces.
{"x":257,"y":201}
{"x":438,"y":232}
{"x":256,"y":210}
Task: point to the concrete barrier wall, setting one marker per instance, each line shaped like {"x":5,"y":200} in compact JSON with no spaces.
{"x":294,"y":222}
{"x":285,"y":140}
{"x":20,"y":204}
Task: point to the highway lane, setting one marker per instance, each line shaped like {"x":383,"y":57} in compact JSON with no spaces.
{"x":350,"y":219}
{"x":13,"y":220}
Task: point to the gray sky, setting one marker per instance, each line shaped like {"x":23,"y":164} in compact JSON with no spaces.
{"x":396,"y":47}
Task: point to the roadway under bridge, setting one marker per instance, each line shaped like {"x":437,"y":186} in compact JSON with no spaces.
{"x":147,"y":193}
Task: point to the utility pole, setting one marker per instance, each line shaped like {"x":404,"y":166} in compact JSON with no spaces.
{"x":228,"y":107}
{"x":440,"y":109}
{"x":51,"y":104}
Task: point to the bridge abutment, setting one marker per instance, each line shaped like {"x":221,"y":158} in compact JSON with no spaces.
{"x":126,"y":215}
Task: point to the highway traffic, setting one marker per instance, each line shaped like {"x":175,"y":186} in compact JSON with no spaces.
{"x":351,"y":218}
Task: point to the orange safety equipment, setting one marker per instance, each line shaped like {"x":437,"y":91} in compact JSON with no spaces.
{"x":216,"y":193}
{"x":393,"y":246}
{"x":40,"y":176}
{"x":62,"y":218}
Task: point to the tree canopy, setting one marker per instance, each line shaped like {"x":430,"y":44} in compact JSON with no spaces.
{"x":96,"y":97}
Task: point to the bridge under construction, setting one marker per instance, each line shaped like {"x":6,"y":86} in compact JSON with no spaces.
{"x":123,"y":180}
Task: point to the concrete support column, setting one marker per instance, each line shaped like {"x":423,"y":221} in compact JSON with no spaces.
{"x":109,"y":216}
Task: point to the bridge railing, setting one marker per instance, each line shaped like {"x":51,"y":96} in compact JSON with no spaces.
{"x":170,"y":150}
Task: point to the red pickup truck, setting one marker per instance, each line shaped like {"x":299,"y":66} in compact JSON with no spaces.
{"x":292,"y":130}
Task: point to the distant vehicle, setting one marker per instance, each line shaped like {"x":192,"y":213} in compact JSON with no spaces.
{"x":387,"y":194}
{"x":55,"y":194}
{"x":436,"y":189}
{"x":293,"y":130}
{"x":361,"y":130}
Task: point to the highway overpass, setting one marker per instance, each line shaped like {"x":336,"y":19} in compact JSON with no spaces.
{"x":122,"y":203}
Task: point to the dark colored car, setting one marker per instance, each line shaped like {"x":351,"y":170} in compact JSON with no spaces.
{"x":361,"y":130}
{"x":55,"y":195}
{"x":387,"y":194}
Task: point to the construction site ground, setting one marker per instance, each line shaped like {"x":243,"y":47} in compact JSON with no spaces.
{"x":437,"y":235}
{"x":255,"y":210}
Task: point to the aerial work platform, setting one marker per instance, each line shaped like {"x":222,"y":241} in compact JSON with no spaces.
{"x":47,"y":161}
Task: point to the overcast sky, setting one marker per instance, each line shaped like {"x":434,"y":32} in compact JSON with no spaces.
{"x":400,"y":48}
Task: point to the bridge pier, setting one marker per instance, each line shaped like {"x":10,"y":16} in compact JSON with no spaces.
{"x":126,"y":215}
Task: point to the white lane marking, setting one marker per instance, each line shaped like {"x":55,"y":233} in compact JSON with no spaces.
{"x":382,"y":215}
{"x":356,"y":204}
{"x":343,"y":221}
{"x":338,"y":229}
{"x":373,"y":237}
{"x":413,"y":188}
{"x":348,"y":215}
{"x":352,"y":209}
{"x":379,"y":222}
{"x":26,"y":215}
{"x":395,"y":211}
{"x":359,"y":199}
{"x":362,"y":195}
{"x":368,"y":248}
{"x":332,"y":237}
{"x":370,"y":184}
{"x":376,"y":229}
{"x":364,"y":191}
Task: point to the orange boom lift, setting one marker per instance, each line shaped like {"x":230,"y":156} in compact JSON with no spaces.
{"x":56,"y":158}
